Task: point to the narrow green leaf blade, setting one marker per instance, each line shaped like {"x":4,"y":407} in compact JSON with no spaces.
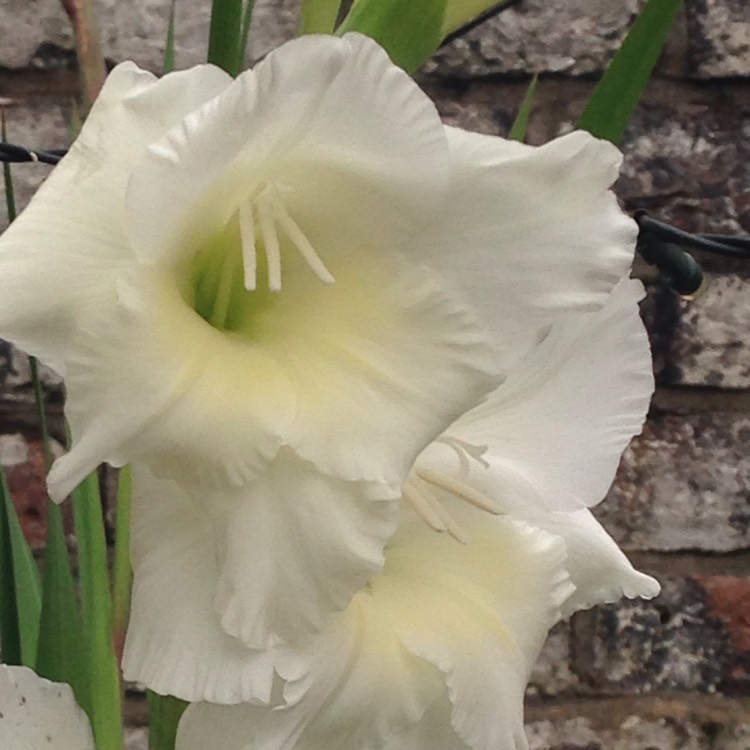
{"x":318,"y":16}
{"x":96,"y":605}
{"x":247,"y":19}
{"x":20,"y":587}
{"x":10,"y":196}
{"x":164,"y":712}
{"x":616,"y":96}
{"x":61,"y":655}
{"x":169,"y":46}
{"x":224,"y":35}
{"x":409,"y":31}
{"x":521,"y":123}
{"x":123,"y":573}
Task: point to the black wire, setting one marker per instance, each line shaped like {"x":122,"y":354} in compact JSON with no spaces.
{"x":13,"y":153}
{"x":479,"y":20}
{"x":662,"y":245}
{"x":730,"y":247}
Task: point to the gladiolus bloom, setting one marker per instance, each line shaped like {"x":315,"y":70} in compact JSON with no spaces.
{"x":270,"y":295}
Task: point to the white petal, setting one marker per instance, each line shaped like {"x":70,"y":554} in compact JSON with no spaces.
{"x":556,"y":428}
{"x":477,"y":612}
{"x":151,"y":380}
{"x":351,"y":138}
{"x":599,"y":570}
{"x":434,"y":732}
{"x":175,"y":644}
{"x":71,"y":240}
{"x":36,"y":714}
{"x":530,"y":234}
{"x":294,"y":546}
{"x":480,"y":614}
{"x":355,"y":687}
{"x":357,"y":378}
{"x":382,"y":362}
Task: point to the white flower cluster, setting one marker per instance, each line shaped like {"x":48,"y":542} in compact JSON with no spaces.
{"x":369,"y":371}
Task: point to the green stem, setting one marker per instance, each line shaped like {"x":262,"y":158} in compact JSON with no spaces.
{"x":96,"y":606}
{"x":224,"y":35}
{"x":123,"y":573}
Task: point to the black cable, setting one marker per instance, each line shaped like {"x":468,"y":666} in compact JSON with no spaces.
{"x":661,"y":245}
{"x":13,"y":153}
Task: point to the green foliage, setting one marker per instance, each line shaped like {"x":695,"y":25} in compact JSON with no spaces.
{"x":164,"y":714}
{"x":228,"y":34}
{"x":61,"y":655}
{"x":318,"y":16}
{"x":96,"y":606}
{"x":169,"y":45}
{"x":617,"y":94}
{"x":521,"y":123}
{"x":123,"y":574}
{"x":409,"y":31}
{"x":20,"y":587}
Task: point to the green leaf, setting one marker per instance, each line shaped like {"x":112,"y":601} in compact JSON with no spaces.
{"x":409,"y":31}
{"x":61,"y":655}
{"x":247,"y":18}
{"x":169,"y":46}
{"x":616,"y":96}
{"x":521,"y":123}
{"x":20,"y":588}
{"x":225,"y":34}
{"x":318,"y":16}
{"x":10,"y":196}
{"x":101,"y":663}
{"x":164,"y":712}
{"x":123,"y":575}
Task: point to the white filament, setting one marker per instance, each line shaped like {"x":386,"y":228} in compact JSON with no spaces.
{"x":247,"y":237}
{"x":272,"y":214}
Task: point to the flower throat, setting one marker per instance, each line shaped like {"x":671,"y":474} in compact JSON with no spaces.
{"x":224,"y":273}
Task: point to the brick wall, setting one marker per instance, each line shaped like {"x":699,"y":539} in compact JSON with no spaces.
{"x":667,"y":674}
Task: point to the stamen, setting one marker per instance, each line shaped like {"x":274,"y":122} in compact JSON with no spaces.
{"x":423,"y":506}
{"x":297,"y":236}
{"x":271,"y":243}
{"x":247,"y":238}
{"x":451,"y":526}
{"x":460,"y":489}
{"x":429,"y":509}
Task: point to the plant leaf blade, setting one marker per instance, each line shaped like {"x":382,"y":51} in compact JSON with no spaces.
{"x":616,"y":96}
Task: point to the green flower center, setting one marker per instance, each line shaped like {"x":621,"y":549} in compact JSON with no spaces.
{"x":223,"y":275}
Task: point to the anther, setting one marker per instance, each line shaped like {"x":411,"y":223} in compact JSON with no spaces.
{"x":423,"y":506}
{"x":459,"y":489}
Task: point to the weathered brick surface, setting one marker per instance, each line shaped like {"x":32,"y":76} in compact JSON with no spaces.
{"x":22,"y":460}
{"x":636,"y":733}
{"x":683,"y":484}
{"x":43,"y":123}
{"x":572,"y":38}
{"x":633,"y":733}
{"x":134,"y":30}
{"x":719,"y":37}
{"x":687,"y":639}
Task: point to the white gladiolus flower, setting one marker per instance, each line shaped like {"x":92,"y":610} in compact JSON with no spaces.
{"x":271,"y":295}
{"x":36,"y":714}
{"x":493,"y":547}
